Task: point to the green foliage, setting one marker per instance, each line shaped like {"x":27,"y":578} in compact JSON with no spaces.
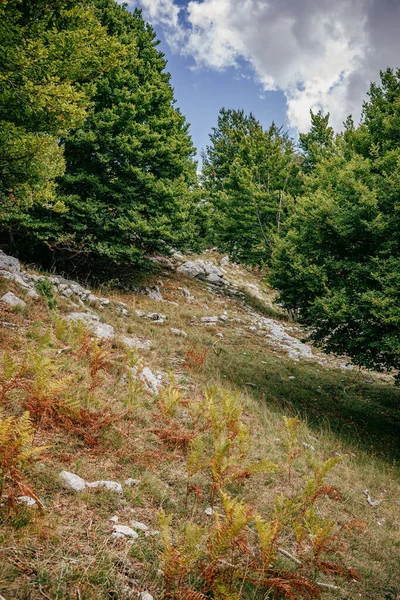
{"x":249,"y":176}
{"x":45,"y":289}
{"x":318,"y":143}
{"x":50,"y":55}
{"x":338,"y":263}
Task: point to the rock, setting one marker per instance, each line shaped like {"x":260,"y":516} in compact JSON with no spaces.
{"x":123,"y":311}
{"x":158,"y":317}
{"x":224,"y":262}
{"x":33,"y":294}
{"x":124,"y":531}
{"x":16,"y":277}
{"x":72,"y":481}
{"x":154,"y":293}
{"x":152,"y":532}
{"x":202,"y":269}
{"x":12,"y":300}
{"x":100,"y":330}
{"x":138,"y":525}
{"x":186,"y":293}
{"x":223,"y":318}
{"x":104,"y":301}
{"x":135,"y":342}
{"x":294,"y":347}
{"x":67,"y":292}
{"x":178,"y":332}
{"x":114,"y":519}
{"x":140,"y":313}
{"x":132,"y":482}
{"x":145,"y":596}
{"x":292,"y":377}
{"x":113,"y":486}
{"x":28,"y":500}
{"x":9,"y":263}
{"x":92,"y":299}
{"x":209,"y":320}
{"x":220,"y":335}
{"x":209,"y":511}
{"x":152,"y":382}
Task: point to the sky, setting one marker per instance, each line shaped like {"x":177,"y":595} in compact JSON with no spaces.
{"x":275,"y":58}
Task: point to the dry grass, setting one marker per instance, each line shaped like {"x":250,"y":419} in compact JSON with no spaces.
{"x":69,"y":553}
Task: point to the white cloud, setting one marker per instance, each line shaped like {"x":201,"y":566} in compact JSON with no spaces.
{"x":320,"y":53}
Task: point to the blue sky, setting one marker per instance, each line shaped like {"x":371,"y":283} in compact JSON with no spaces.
{"x":276,"y":58}
{"x":200,"y":93}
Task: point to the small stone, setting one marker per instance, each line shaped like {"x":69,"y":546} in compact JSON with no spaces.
{"x":72,"y":481}
{"x":154,"y":293}
{"x":92,"y":299}
{"x":220,"y":335}
{"x":223,"y":318}
{"x":12,"y":300}
{"x":33,"y":294}
{"x":28,"y":500}
{"x":178,"y":332}
{"x":292,"y":377}
{"x":135,"y":342}
{"x":140,"y":313}
{"x":123,"y":311}
{"x":114,"y":519}
{"x":224,"y":262}
{"x":124,"y":530}
{"x":152,"y":532}
{"x":209,"y":320}
{"x":104,"y":301}
{"x":145,"y":596}
{"x":138,"y":525}
{"x":67,"y":292}
{"x":209,"y":511}
{"x":157,"y":317}
{"x":114,"y":486}
{"x":132,"y":482}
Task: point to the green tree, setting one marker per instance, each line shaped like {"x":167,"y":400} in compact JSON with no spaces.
{"x":50,"y":56}
{"x":249,"y":175}
{"x":318,"y":143}
{"x":129,"y":166}
{"x":339,"y":260}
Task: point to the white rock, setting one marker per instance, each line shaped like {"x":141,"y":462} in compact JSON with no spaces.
{"x":138,"y":525}
{"x":186,"y":293}
{"x":114,"y":486}
{"x":124,"y":530}
{"x":132,"y":482}
{"x":178,"y":332}
{"x":152,"y":532}
{"x":158,"y":317}
{"x":123,"y":311}
{"x":224,"y":262}
{"x":223,"y":318}
{"x":92,"y":299}
{"x":135,"y":342}
{"x":100,"y":330}
{"x":72,"y":481}
{"x":294,"y":347}
{"x":114,"y":519}
{"x":14,"y":277}
{"x":67,"y":292}
{"x":152,"y":382}
{"x":33,"y":294}
{"x":9,"y":263}
{"x":145,"y":596}
{"x":209,"y":511}
{"x":209,"y":320}
{"x":28,"y":500}
{"x":12,"y":300}
{"x":292,"y":377}
{"x":140,"y":313}
{"x":154,"y":293}
{"x":104,"y":301}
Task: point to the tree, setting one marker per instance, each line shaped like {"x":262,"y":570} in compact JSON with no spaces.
{"x":318,"y":143}
{"x":249,"y":175}
{"x":128,"y":167}
{"x":339,"y":260}
{"x":50,"y":55}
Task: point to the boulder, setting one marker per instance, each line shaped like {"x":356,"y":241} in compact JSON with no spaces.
{"x":9,"y":263}
{"x":154,"y":293}
{"x":12,"y":300}
{"x":202,"y":269}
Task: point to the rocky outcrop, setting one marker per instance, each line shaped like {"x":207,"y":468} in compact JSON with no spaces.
{"x":204,"y":270}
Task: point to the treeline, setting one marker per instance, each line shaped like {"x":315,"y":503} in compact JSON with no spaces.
{"x":97,"y":171}
{"x":96,"y":163}
{"x":324,"y":218}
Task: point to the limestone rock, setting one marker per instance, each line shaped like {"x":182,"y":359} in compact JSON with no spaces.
{"x":12,"y":300}
{"x":9,"y":263}
{"x":72,"y":481}
{"x":132,"y":482}
{"x":178,"y":332}
{"x":145,"y":596}
{"x":154,"y":293}
{"x":202,"y":269}
{"x":135,"y":342}
{"x":124,"y":531}
{"x":113,"y":486}
{"x":210,"y":320}
{"x":138,"y":525}
{"x":100,"y":330}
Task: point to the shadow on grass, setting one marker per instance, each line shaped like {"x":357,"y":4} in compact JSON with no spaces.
{"x":361,"y":412}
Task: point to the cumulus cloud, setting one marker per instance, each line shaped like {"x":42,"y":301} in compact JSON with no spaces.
{"x":321,"y":53}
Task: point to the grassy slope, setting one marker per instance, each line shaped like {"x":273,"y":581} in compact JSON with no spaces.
{"x":68,"y":552}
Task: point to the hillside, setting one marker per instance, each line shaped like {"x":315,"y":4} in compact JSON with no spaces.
{"x":164,"y":394}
